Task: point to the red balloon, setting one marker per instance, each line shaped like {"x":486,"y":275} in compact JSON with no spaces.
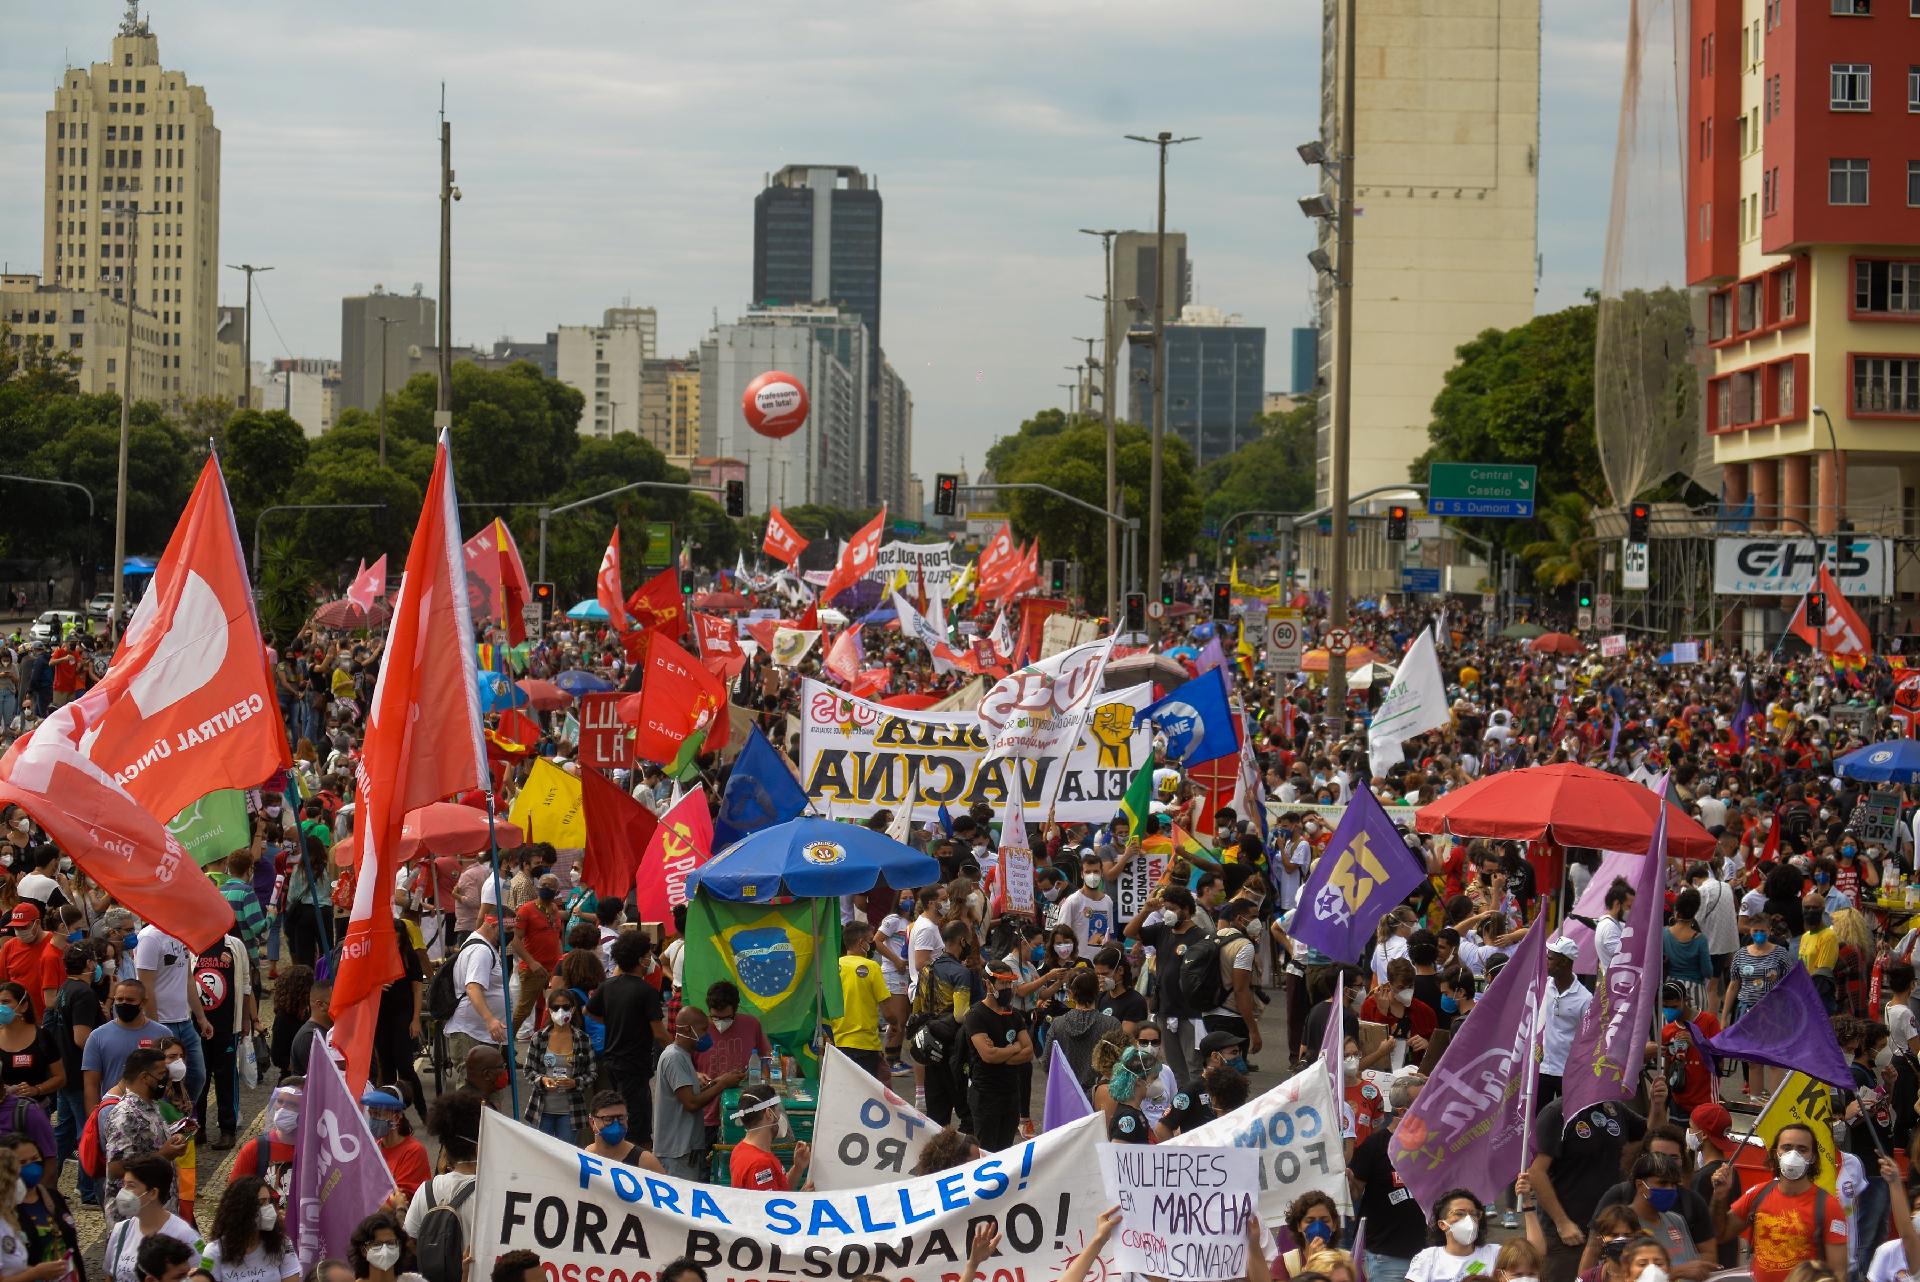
{"x":775,"y":404}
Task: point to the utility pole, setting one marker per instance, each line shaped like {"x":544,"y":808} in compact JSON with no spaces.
{"x":443,"y":412}
{"x":1342,"y":443}
{"x":1154,"y":567}
{"x":246,"y":335}
{"x":132,"y":213}
{"x":385,"y":321}
{"x":1108,"y":358}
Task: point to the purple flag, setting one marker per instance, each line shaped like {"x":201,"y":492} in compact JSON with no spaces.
{"x":1611,"y":1043}
{"x":1215,"y":656}
{"x":1333,"y":1048}
{"x":1788,"y":1028}
{"x":1469,"y":1127}
{"x":1365,"y":870}
{"x":1065,"y":1102}
{"x":339,"y":1177}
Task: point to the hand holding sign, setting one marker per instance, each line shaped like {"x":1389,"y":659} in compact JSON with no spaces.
{"x":1183,"y":1210}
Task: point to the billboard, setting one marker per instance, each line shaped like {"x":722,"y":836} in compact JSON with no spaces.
{"x":1760,"y":566}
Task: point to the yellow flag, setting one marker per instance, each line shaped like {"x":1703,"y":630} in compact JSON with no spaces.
{"x":548,"y":808}
{"x":1242,"y":588}
{"x":964,"y":584}
{"x":1802,"y":1101}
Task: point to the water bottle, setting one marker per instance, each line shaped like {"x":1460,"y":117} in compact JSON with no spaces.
{"x":775,"y":1077}
{"x":753,"y":1070}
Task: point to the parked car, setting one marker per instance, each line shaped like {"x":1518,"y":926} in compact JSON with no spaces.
{"x":52,"y":625}
{"x":101,"y":606}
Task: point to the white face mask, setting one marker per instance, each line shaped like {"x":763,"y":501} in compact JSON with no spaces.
{"x":1883,"y":1058}
{"x":1694,"y":1142}
{"x":177,"y":1070}
{"x":1091,"y":880}
{"x":722,"y":1025}
{"x":1351,"y":1065}
{"x":1793,"y":1165}
{"x":1464,"y":1230}
{"x":268,"y":1217}
{"x":1404,"y":996}
{"x":384,"y":1256}
{"x":127,"y":1202}
{"x":1652,"y":1273}
{"x":1063,"y":950}
{"x":562,"y":1016}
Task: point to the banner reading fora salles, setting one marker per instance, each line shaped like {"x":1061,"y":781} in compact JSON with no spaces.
{"x":864,"y":757}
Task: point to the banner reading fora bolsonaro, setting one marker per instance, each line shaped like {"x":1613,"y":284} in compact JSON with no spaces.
{"x":860,"y":757}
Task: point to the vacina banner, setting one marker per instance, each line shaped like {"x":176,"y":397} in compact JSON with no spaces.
{"x":860,"y":757}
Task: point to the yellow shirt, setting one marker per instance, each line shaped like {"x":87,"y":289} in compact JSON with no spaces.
{"x":862,"y":989}
{"x":1820,"y":950}
{"x":1469,"y":675}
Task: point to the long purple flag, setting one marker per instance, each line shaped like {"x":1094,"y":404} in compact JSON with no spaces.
{"x":1611,"y":1043}
{"x":1065,"y":1101}
{"x":1788,"y":1028}
{"x":1469,"y":1126}
{"x":339,"y":1177}
{"x":1365,"y":871}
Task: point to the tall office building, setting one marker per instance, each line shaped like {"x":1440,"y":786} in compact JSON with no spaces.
{"x":1216,"y":381}
{"x":890,"y":466}
{"x":1134,"y":277}
{"x":606,"y":364}
{"x":92,"y":329}
{"x":129,"y":135}
{"x":1446,"y":142}
{"x":1802,"y":191}
{"x":401,"y":324}
{"x":670,"y":405}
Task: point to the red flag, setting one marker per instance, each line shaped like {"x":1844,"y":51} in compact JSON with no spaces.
{"x":677,"y":696}
{"x":369,"y":583}
{"x":517,"y":727}
{"x":657,"y":605}
{"x":844,"y":659}
{"x":783,"y":542}
{"x":618,"y":832}
{"x":858,"y":556}
{"x":994,"y":556}
{"x":718,"y":636}
{"x":809,"y":622}
{"x":682,"y":842}
{"x":497,"y":586}
{"x":606,"y":585}
{"x":870,"y":683}
{"x":1844,"y":635}
{"x":423,"y":743}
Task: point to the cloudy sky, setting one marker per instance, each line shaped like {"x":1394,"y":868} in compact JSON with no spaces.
{"x":611,"y":151}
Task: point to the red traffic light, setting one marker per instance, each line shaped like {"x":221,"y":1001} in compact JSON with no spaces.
{"x":1397,"y":512}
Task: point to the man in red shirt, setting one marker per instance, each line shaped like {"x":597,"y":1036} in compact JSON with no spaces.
{"x":33,"y":959}
{"x":1690,"y":1081}
{"x":753,"y":1165}
{"x":66,"y":661}
{"x":537,"y":923}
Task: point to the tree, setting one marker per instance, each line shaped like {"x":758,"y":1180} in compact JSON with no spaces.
{"x":260,"y":455}
{"x":515,"y":431}
{"x":1567,"y":550}
{"x":1272,"y":473}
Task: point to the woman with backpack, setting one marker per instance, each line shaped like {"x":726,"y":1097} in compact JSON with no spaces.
{"x":560,"y":1069}
{"x":249,"y":1243}
{"x":144,"y":1193}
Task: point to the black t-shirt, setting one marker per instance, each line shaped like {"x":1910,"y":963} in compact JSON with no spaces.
{"x":1167,"y":947}
{"x":30,"y":1066}
{"x":1190,"y":1106}
{"x":1127,"y":1006}
{"x":1001,"y":1030}
{"x":1875,"y":1117}
{"x":1128,"y":1125}
{"x":79,"y":1007}
{"x":1426,"y":988}
{"x":629,"y":1005}
{"x":213,"y":972}
{"x":1396,"y":1226}
{"x":1586,"y":1152}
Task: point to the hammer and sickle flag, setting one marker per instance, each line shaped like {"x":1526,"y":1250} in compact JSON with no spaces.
{"x":1366,"y":870}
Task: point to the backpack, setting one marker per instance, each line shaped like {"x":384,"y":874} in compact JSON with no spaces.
{"x":1202,"y":986}
{"x":934,"y":1041}
{"x":443,"y":997}
{"x":596,"y":1028}
{"x":93,"y":1153}
{"x":440,"y":1246}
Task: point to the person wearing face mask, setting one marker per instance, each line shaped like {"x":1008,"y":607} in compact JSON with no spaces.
{"x":1459,"y":1246}
{"x":681,"y":1094}
{"x":406,"y":1157}
{"x":1756,"y":968}
{"x":1656,"y":1179}
{"x":1819,"y":949}
{"x":636,"y":1023}
{"x":737,"y":1038}
{"x":1410,"y":1022}
{"x":997,"y":1043}
{"x":78,"y":1011}
{"x":1118,"y":995}
{"x":250,"y":1243}
{"x":1313,"y":1221}
{"x":559,"y":1069}
{"x":1690,"y":1079}
{"x":537,"y":927}
{"x":1083,"y":1026}
{"x":133,"y":1125}
{"x":1165,"y":924}
{"x":1088,"y":911}
{"x":142,"y":1202}
{"x":1788,"y":1218}
{"x":1869,"y":1126}
{"x":47,"y":1229}
{"x":1854,"y":877}
{"x":379,"y":1250}
{"x":31,"y":1068}
{"x":857,"y":1031}
{"x":610,"y":1140}
{"x":753,"y":1165}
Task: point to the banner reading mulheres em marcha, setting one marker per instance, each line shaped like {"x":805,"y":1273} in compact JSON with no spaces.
{"x":864,"y":757}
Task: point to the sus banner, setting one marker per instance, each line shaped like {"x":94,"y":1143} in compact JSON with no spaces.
{"x":863,"y":757}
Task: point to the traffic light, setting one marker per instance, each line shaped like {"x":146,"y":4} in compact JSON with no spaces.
{"x":1222,"y":602}
{"x":1816,"y":609}
{"x":1057,"y":575}
{"x":1639,"y":516}
{"x":543,"y":596}
{"x":686,"y":583}
{"x":1583,"y":595}
{"x":1397,"y":523}
{"x":1166,"y":592}
{"x":736,"y":498}
{"x":946,"y":490}
{"x":1136,"y":612}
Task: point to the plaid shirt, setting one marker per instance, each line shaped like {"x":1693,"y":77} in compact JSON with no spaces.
{"x":582,"y":1073}
{"x":249,"y":918}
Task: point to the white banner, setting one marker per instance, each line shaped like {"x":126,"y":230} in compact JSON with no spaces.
{"x":1613,"y":645}
{"x":1785,"y":566}
{"x":864,"y":757}
{"x":863,"y":1134}
{"x":1039,"y":710}
{"x":1415,"y":702}
{"x":928,"y":563}
{"x":1183,"y":1211}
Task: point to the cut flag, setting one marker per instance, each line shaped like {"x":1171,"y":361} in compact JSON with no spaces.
{"x":423,"y":743}
{"x":497,"y":586}
{"x":1365,"y":871}
{"x":761,"y":791}
{"x":1844,"y":636}
{"x":549,"y":808}
{"x":1787,"y":1028}
{"x":1065,"y":1101}
{"x":779,"y":956}
{"x":783,"y":542}
{"x":1195,"y":718}
{"x":1135,"y":804}
{"x":1416,"y":702}
{"x":369,"y":583}
{"x":844,"y":658}
{"x":681,"y":843}
{"x":677,"y":697}
{"x":606,"y":584}
{"x":857,"y":557}
{"x":618,"y":831}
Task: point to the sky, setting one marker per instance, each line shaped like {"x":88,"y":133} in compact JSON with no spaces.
{"x":609,"y":152}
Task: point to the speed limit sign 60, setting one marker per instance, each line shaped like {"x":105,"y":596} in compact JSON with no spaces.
{"x":1285,"y":641}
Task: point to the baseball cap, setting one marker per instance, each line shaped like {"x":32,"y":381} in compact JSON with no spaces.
{"x":1220,"y":1040}
{"x":1563,"y":946}
{"x":25,"y":914}
{"x":1716,"y":1123}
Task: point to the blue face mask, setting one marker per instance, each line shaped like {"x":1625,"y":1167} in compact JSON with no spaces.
{"x":6,"y":1016}
{"x":1848,"y":851}
{"x":1449,"y":1005}
{"x":1821,"y":879}
{"x":1663,"y":1200}
{"x":705,"y":1043}
{"x":75,"y":936}
{"x":1759,"y":936}
{"x":31,"y":1173}
{"x":613,"y":1132}
{"x":1671,"y":1014}
{"x":99,"y":972}
{"x":1318,"y":1231}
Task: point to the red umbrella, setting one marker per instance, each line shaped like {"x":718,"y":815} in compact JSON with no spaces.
{"x":347,"y":616}
{"x":1317,"y":659}
{"x":1555,"y":643}
{"x":544,"y":696}
{"x":1571,"y":805}
{"x":443,"y":828}
{"x":721,"y":601}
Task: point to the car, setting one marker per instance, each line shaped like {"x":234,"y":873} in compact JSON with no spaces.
{"x":101,"y":606}
{"x":53,"y":624}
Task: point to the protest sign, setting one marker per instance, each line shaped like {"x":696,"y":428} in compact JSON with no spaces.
{"x":1137,"y":879}
{"x":862,"y":757}
{"x":1613,"y":645}
{"x":606,"y":742}
{"x":928,"y":565}
{"x":1183,"y":1209}
{"x":863,"y":1134}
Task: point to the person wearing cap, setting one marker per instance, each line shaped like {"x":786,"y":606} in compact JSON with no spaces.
{"x":1193,"y":1104}
{"x":1566,"y":1001}
{"x":405,"y":1155}
{"x":33,"y":959}
{"x":997,"y":1043}
{"x":753,"y":1164}
{"x":1689,"y":1077}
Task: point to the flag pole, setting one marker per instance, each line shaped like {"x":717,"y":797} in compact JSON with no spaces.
{"x":506,"y":971}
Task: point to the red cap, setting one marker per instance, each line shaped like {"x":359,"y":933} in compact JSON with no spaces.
{"x":25,"y":913}
{"x":1713,"y":1121}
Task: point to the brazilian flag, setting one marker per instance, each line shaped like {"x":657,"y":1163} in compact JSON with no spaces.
{"x":1139,"y":797}
{"x":784,"y":958}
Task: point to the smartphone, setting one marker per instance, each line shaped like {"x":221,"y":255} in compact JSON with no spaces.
{"x":185,"y":1126}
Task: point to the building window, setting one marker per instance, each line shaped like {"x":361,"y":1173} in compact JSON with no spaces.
{"x":1913,"y":184}
{"x":1846,"y":182}
{"x":1851,"y":86}
{"x":1783,"y":390}
{"x":1717,"y":310}
{"x":1789,"y":293}
{"x":1853,"y":8}
{"x":1884,"y":287}
{"x":1706,"y":220}
{"x":1745,"y":403}
{"x":1913,"y":85}
{"x":1886,"y":385}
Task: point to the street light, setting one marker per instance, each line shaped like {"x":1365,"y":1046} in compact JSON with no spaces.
{"x":1320,"y":262}
{"x":1108,"y":365}
{"x":1317,"y":206}
{"x":1833,"y":466}
{"x":246,"y":336}
{"x":1312,"y":153}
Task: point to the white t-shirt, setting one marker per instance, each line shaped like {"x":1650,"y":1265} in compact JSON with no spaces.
{"x":1435,"y":1265}
{"x":477,"y":966}
{"x":123,"y":1246}
{"x":675,"y":955}
{"x":1242,"y":959}
{"x":1606,"y":941}
{"x":256,"y":1265}
{"x":895,"y":930}
{"x":171,"y":965}
{"x":1394,"y":946}
{"x":1089,"y":915}
{"x":444,"y":1187}
{"x":1890,"y":1263}
{"x":1900,"y":1023}
{"x":38,"y":887}
{"x":924,"y":938}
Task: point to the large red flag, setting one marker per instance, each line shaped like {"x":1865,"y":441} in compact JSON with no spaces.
{"x":682,"y":842}
{"x":1844,"y":635}
{"x":717,"y":635}
{"x":606,"y":585}
{"x":858,"y":556}
{"x":677,"y":696}
{"x":618,"y":830}
{"x":783,"y":542}
{"x":658,"y":605}
{"x":423,"y":743}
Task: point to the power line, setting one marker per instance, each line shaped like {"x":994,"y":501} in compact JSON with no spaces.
{"x":261,"y":294}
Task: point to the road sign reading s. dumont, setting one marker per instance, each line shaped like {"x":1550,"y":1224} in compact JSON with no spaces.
{"x":1481,"y":489}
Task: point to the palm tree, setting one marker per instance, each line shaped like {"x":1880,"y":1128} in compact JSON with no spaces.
{"x":1561,"y":558}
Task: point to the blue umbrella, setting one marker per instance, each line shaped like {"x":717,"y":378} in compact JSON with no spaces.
{"x":576,"y":682}
{"x":1895,"y":761}
{"x":498,"y":691}
{"x":879,"y":618}
{"x":589,"y":610}
{"x":809,"y":858}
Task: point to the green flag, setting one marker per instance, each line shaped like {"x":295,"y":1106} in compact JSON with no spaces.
{"x":784,"y":958}
{"x":1139,"y":797}
{"x":214,"y":826}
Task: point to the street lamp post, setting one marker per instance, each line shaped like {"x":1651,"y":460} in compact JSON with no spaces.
{"x":1831,"y":502}
{"x":246,"y":335}
{"x":1107,"y":361}
{"x":132,"y":212}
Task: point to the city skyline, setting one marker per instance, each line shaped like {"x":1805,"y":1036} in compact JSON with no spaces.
{"x":619,"y":160}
